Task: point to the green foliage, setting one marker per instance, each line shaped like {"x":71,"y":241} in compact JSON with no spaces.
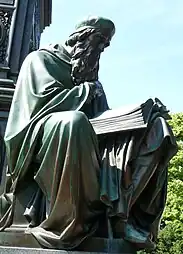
{"x":174,"y":206}
{"x":177,"y":126}
{"x":176,"y":164}
{"x":170,"y":240}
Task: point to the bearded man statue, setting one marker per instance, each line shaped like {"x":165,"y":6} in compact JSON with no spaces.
{"x":68,"y":177}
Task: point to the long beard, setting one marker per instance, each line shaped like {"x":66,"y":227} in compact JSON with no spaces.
{"x":85,"y":63}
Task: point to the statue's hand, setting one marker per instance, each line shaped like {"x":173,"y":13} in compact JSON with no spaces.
{"x":96,"y":90}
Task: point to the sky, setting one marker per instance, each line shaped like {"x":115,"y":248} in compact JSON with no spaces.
{"x":145,"y":58}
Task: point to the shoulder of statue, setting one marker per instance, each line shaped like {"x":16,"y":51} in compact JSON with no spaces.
{"x":59,"y":51}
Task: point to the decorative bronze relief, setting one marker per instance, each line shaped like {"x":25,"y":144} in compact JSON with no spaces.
{"x":5,"y":21}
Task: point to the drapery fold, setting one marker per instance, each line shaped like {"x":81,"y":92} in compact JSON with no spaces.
{"x":80,"y":176}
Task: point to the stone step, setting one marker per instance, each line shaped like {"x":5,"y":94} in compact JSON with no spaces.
{"x":26,"y":243}
{"x":16,"y":250}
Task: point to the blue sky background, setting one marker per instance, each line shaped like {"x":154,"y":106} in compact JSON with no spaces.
{"x":145,"y":58}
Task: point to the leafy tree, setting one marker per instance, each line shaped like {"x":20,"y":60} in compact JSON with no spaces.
{"x":170,"y":240}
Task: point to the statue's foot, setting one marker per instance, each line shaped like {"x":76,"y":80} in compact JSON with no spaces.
{"x":138,"y":237}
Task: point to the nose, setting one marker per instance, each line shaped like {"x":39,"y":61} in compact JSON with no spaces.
{"x":101,"y":47}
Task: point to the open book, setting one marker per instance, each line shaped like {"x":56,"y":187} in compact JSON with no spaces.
{"x":125,"y":118}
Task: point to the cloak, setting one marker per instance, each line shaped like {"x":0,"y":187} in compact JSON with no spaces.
{"x":50,"y":141}
{"x":77,"y":176}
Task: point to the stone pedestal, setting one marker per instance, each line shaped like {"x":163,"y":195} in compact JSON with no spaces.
{"x":7,"y":11}
{"x":26,"y":243}
{"x":15,"y":250}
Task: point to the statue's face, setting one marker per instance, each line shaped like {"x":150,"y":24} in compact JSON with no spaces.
{"x":86,"y":57}
{"x":97,"y":40}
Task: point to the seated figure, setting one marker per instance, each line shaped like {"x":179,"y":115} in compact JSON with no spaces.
{"x":81,"y":182}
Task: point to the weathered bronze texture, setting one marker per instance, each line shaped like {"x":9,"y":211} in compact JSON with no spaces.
{"x":5,"y":21}
{"x":65,"y":184}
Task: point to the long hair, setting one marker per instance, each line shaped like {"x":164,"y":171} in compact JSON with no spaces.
{"x":84,"y":57}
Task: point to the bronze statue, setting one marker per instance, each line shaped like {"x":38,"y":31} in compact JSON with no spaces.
{"x":79,"y":184}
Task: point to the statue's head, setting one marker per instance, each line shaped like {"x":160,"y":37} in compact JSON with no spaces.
{"x":89,"y":40}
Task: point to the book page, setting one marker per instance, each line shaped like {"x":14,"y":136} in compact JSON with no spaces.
{"x":115,"y":112}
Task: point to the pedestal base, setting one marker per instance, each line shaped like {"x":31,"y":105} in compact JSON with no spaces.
{"x":15,"y":250}
{"x":26,"y":243}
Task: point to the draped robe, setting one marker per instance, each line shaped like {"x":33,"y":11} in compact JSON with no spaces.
{"x":50,"y":141}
